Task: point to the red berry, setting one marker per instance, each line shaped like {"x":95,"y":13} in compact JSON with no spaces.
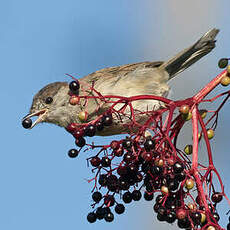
{"x":95,"y":161}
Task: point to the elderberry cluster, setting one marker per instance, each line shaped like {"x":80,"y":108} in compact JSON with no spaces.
{"x":142,"y":172}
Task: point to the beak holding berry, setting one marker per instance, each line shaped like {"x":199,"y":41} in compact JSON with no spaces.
{"x":27,"y":122}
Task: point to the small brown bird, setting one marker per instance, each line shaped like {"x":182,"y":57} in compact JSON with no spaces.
{"x":52,"y":103}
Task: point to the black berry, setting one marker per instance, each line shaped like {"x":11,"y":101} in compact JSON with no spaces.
{"x":171,"y":217}
{"x":90,"y":130}
{"x":102,"y":180}
{"x":91,"y":217}
{"x":127,"y":197}
{"x":107,"y":120}
{"x":217,"y":197}
{"x":95,"y":161}
{"x":99,"y":126}
{"x":109,"y":217}
{"x":80,"y":142}
{"x":73,"y":153}
{"x":97,"y":196}
{"x":149,"y":144}
{"x":136,"y":195}
{"x":105,"y":162}
{"x":148,"y":196}
{"x":74,"y":86}
{"x":119,"y":208}
{"x":27,"y":123}
{"x":178,"y":168}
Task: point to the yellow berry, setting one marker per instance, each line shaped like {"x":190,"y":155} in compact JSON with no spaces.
{"x":203,"y":113}
{"x":184,"y":109}
{"x":191,"y":206}
{"x":189,"y":184}
{"x":225,"y":81}
{"x":83,"y":115}
{"x":199,"y":136}
{"x":188,"y":149}
{"x":211,"y":227}
{"x":164,"y":189}
{"x":203,"y":218}
{"x":159,"y":162}
{"x":210,"y":133}
{"x":228,"y":69}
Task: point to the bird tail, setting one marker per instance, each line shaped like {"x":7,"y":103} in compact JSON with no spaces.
{"x":190,"y":55}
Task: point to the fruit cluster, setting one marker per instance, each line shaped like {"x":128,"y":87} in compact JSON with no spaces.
{"x":149,"y":163}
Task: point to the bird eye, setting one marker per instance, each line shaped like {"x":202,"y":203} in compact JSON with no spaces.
{"x":49,"y":100}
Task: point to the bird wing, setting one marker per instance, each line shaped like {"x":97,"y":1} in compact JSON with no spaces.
{"x":118,"y":71}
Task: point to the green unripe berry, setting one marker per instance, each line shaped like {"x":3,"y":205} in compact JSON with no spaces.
{"x":203,"y":113}
{"x":210,"y":133}
{"x":187,"y":116}
{"x":188,"y":149}
{"x":223,"y":62}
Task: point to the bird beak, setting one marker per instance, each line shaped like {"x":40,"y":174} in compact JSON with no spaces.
{"x":41,"y":115}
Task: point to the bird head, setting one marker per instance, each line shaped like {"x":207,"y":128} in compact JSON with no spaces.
{"x":51,"y":104}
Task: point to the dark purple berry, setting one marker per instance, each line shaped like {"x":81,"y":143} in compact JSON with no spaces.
{"x":127,"y":197}
{"x":156,"y":170}
{"x":107,"y":120}
{"x":99,"y":126}
{"x":90,"y":130}
{"x":95,"y":161}
{"x":136,"y":195}
{"x":91,"y":217}
{"x":105,"y":162}
{"x":78,"y":133}
{"x":73,"y":153}
{"x":171,"y":217}
{"x":27,"y":123}
{"x":102,"y":180}
{"x":184,"y":223}
{"x":128,"y":157}
{"x":74,"y":86}
{"x":216,"y":216}
{"x":196,"y":217}
{"x":80,"y":142}
{"x":149,"y":144}
{"x":127,"y":143}
{"x":148,"y":196}
{"x":161,"y":217}
{"x":100,"y":213}
{"x":159,"y":199}
{"x":178,"y":168}
{"x":109,"y":217}
{"x":217,"y":197}
{"x":173,"y":184}
{"x":180,"y":176}
{"x":119,"y":208}
{"x":123,"y":184}
{"x":97,"y":196}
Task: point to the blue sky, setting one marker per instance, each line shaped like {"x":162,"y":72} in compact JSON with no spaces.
{"x":40,"y":41}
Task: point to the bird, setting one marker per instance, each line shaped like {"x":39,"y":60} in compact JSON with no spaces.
{"x":52,"y":104}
